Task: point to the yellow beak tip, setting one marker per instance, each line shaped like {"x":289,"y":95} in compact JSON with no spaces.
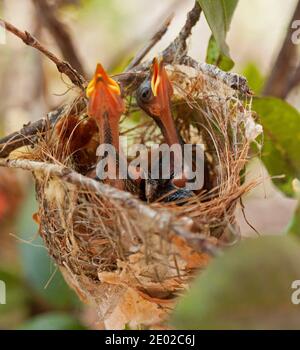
{"x":112,"y":85}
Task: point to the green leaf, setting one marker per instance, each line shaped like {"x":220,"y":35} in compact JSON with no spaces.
{"x":249,"y":287}
{"x":215,"y":56}
{"x":280,"y":152}
{"x":219,"y":14}
{"x":255,"y":79}
{"x":39,"y":271}
{"x":52,"y":321}
{"x":16,"y":308}
{"x":294,"y":226}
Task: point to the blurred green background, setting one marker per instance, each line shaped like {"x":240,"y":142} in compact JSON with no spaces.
{"x":110,"y":32}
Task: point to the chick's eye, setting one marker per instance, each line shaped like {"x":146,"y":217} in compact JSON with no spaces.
{"x":145,"y":94}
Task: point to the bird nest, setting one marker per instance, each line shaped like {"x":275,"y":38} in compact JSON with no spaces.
{"x":129,"y":258}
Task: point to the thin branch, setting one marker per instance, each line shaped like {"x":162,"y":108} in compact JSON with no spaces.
{"x":178,"y":48}
{"x":136,"y":42}
{"x":28,"y":134}
{"x":246,"y":219}
{"x":233,"y":80}
{"x":62,"y":66}
{"x":152,"y":42}
{"x":164,"y":219}
{"x":174,"y":53}
{"x":59,"y":33}
{"x":278,"y":84}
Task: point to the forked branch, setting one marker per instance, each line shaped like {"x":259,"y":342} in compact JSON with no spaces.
{"x":178,"y":48}
{"x":28,"y":134}
{"x":153,"y":41}
{"x":59,"y":32}
{"x":62,"y":66}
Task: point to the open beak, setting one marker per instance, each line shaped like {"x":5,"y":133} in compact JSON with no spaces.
{"x":160,"y":84}
{"x":104,"y":95}
{"x":162,"y":90}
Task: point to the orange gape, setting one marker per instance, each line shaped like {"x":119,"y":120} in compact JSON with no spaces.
{"x":161,"y":85}
{"x":162,"y":91}
{"x":106,"y":106}
{"x":104,"y":96}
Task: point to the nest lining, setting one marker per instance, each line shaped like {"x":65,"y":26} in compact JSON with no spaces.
{"x":132,"y":266}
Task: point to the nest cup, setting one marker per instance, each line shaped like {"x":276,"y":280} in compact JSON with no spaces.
{"x":130,"y":259}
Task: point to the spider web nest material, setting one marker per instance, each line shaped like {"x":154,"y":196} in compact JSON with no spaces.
{"x":132,"y":259}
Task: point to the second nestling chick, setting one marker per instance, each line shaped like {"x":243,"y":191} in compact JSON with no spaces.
{"x":154,"y":97}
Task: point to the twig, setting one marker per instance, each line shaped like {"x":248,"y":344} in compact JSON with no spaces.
{"x":28,"y":134}
{"x":59,"y":33}
{"x":154,"y":39}
{"x":164,"y":219}
{"x":233,"y":80}
{"x":178,"y":48}
{"x":62,"y":66}
{"x":136,"y":42}
{"x":174,"y":53}
{"x":278,"y":84}
{"x":246,"y":219}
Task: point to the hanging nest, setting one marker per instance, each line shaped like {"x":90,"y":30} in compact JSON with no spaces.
{"x":128,"y":258}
